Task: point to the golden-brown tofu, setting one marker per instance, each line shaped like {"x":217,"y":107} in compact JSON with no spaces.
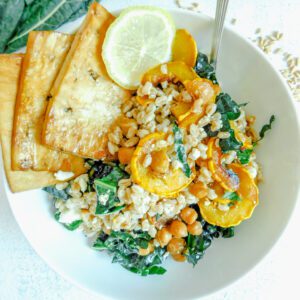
{"x":45,"y":53}
{"x":18,"y":181}
{"x":85,"y":101}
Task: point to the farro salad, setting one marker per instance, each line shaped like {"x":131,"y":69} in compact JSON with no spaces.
{"x":181,"y":168}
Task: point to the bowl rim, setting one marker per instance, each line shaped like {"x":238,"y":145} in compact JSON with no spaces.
{"x":264,"y":253}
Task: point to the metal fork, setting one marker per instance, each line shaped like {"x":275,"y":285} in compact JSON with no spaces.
{"x":220,"y":15}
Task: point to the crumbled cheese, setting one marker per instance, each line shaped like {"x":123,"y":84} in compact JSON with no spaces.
{"x":62,"y":176}
{"x":164,"y":69}
{"x":223,"y":207}
{"x":206,"y":203}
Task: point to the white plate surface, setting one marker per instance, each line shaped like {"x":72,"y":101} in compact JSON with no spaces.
{"x":247,"y":75}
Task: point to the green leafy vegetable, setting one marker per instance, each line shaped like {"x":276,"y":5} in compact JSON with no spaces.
{"x":204,"y":69}
{"x":58,"y":194}
{"x":209,"y":132}
{"x":244,"y":155}
{"x":45,"y":15}
{"x":57,"y":215}
{"x":28,"y":2}
{"x":74,"y":225}
{"x":229,"y":110}
{"x":243,"y":104}
{"x":233,"y":196}
{"x":196,"y":245}
{"x":180,"y":151}
{"x":230,"y":143}
{"x":227,"y":106}
{"x":106,"y":189}
{"x":266,"y":127}
{"x":124,"y":248}
{"x":82,"y":10}
{"x":10,"y":15}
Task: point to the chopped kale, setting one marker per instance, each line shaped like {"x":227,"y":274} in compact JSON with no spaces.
{"x":244,"y":155}
{"x":74,"y":225}
{"x":204,"y":69}
{"x":266,"y":127}
{"x":180,"y":150}
{"x":124,"y":248}
{"x":227,"y":106}
{"x":230,"y":143}
{"x":106,"y":189}
{"x":58,"y":194}
{"x":196,"y":245}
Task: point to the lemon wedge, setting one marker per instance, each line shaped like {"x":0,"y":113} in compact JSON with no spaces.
{"x":139,"y":39}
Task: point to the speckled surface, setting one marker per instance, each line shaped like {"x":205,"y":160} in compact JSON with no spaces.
{"x":24,"y":276}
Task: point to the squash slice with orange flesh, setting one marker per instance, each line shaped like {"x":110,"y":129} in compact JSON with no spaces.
{"x":176,"y":71}
{"x":184,"y":48}
{"x":240,"y":210}
{"x":166,"y":185}
{"x":228,"y":179}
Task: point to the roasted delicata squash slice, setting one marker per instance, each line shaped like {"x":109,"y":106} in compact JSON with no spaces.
{"x":18,"y":181}
{"x":165,"y":184}
{"x":37,"y":76}
{"x":85,"y":102}
{"x":203,"y":92}
{"x":240,"y":210}
{"x":184,"y":47}
{"x":226,"y":177}
{"x":173,"y":72}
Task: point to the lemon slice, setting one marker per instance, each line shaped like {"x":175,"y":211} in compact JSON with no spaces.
{"x":139,"y":39}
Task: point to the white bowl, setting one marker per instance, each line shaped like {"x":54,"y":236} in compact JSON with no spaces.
{"x":247,"y":75}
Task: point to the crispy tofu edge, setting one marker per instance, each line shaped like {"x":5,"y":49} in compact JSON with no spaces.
{"x":77,"y":162}
{"x":18,"y":181}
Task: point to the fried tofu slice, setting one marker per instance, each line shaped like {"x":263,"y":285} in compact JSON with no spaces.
{"x":46,"y":50}
{"x":85,"y":101}
{"x":18,"y":181}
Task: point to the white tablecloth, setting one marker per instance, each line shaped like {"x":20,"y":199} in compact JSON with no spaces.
{"x":24,"y":276}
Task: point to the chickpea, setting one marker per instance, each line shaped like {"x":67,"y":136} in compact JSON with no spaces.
{"x":176,"y":246}
{"x":163,"y":236}
{"x":179,"y":257}
{"x":148,"y":250}
{"x":178,"y":229}
{"x":195,"y":228}
{"x":188,"y":215}
{"x":125,"y":155}
{"x":199,"y":190}
{"x":160,"y":161}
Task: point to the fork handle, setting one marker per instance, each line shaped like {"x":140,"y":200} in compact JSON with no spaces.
{"x":220,"y":15}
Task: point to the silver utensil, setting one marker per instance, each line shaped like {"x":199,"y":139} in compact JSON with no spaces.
{"x":220,"y":15}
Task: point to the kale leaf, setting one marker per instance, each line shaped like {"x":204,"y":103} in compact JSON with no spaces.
{"x":58,"y":194}
{"x":227,"y":106}
{"x":41,"y":15}
{"x":180,"y":150}
{"x":244,"y":156}
{"x":10,"y":15}
{"x":71,"y":226}
{"x":266,"y":127}
{"x":204,"y":69}
{"x":124,"y":248}
{"x":197,"y":245}
{"x":229,"y":110}
{"x":230,"y":143}
{"x":106,"y":188}
{"x":74,"y":225}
